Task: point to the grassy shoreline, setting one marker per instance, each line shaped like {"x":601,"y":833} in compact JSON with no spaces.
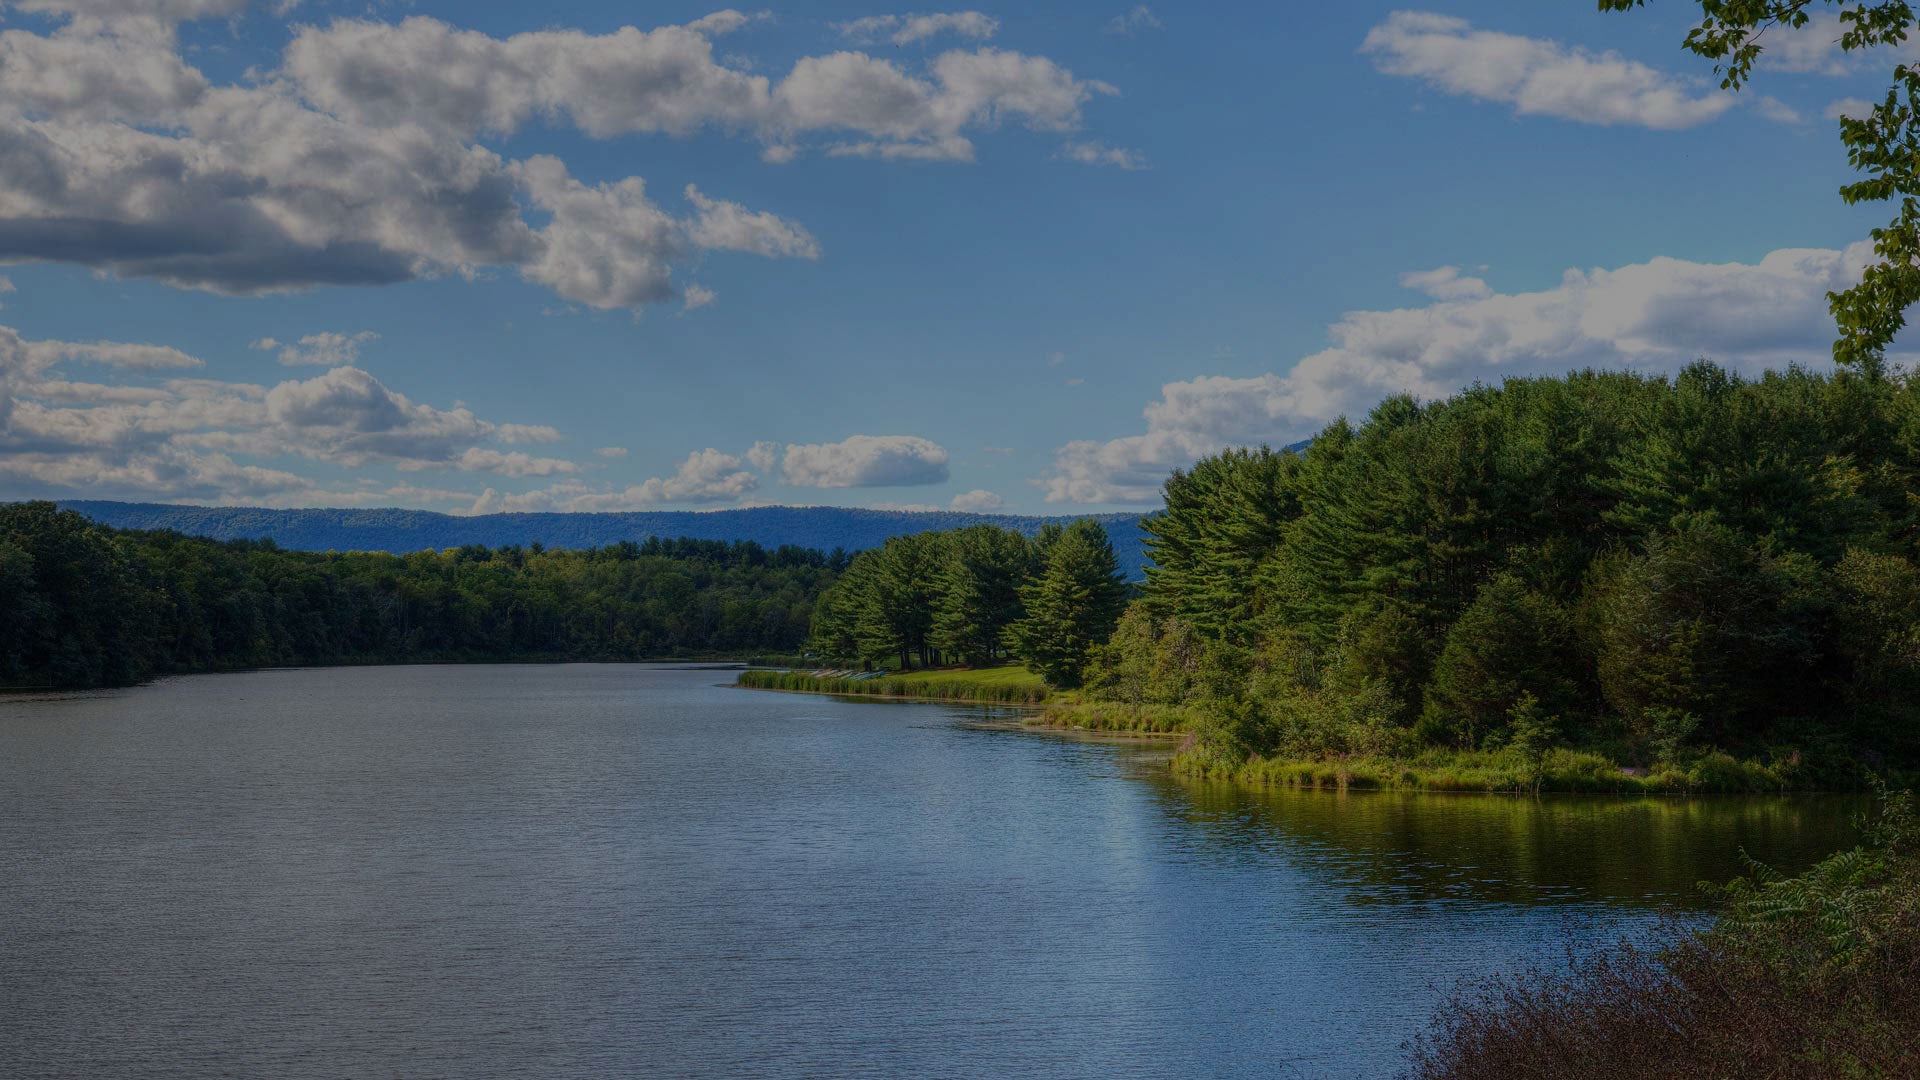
{"x":1484,"y":771}
{"x":1492,"y":771}
{"x":988,"y":686}
{"x":1081,"y":715}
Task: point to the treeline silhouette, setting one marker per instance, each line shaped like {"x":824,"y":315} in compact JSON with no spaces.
{"x":85,"y":605}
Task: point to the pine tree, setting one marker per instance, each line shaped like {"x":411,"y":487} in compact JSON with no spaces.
{"x":978,"y":592}
{"x":1071,"y":607}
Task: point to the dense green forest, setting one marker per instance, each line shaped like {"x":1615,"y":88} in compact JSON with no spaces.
{"x":1661,"y":571}
{"x":977,"y":595}
{"x":82,"y":604}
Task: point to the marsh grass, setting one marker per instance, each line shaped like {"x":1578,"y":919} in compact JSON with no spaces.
{"x":1000,"y":686}
{"x":1111,"y":716}
{"x":1490,"y":771}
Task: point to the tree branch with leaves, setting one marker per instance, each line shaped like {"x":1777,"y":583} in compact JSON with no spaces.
{"x":1884,"y":146}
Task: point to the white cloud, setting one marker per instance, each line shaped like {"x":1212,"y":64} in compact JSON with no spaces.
{"x":169,"y":10}
{"x":6,"y":284}
{"x":607,"y":246}
{"x":423,"y":71}
{"x":522,"y":434}
{"x":866,"y":461}
{"x":705,"y":477}
{"x":763,"y":455}
{"x":1446,"y":283}
{"x":355,"y":161}
{"x":1655,"y":316}
{"x":611,"y":452}
{"x":1852,"y":108}
{"x":1137,"y":18}
{"x":1813,"y":49}
{"x":1538,"y":78}
{"x":113,"y":354}
{"x":723,"y":22}
{"x":512,"y":463}
{"x":696,"y":296}
{"x":907,"y":29}
{"x":1776,"y":110}
{"x":185,"y":437}
{"x":726,"y":226}
{"x":98,"y":71}
{"x":905,"y":116}
{"x":325,"y":349}
{"x":1095,"y":152}
{"x":977,"y":501}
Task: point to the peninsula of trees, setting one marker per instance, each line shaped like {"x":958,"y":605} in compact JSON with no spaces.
{"x":85,"y":605}
{"x":1662,"y":572}
{"x":1707,"y":580}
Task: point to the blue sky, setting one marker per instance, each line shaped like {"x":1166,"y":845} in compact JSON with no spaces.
{"x":392,"y":254}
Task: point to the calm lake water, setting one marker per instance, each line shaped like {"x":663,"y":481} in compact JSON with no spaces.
{"x":595,"y":871}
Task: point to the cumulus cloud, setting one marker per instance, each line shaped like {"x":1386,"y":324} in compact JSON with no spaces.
{"x":907,"y":29}
{"x":99,"y":71}
{"x":909,"y":117}
{"x":1655,"y":316}
{"x":186,"y":438}
{"x":1446,"y":283}
{"x":668,"y":81}
{"x":977,"y":501}
{"x":866,"y":461}
{"x":726,"y":226}
{"x":1536,"y":77}
{"x":325,"y":349}
{"x":358,"y":160}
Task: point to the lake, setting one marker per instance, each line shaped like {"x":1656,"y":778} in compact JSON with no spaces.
{"x":634,"y":870}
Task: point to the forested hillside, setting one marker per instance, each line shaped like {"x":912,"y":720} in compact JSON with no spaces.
{"x":1660,"y":572}
{"x":86,"y":605}
{"x":825,"y":528}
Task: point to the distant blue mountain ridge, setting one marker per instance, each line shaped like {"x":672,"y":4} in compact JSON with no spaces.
{"x":400,"y":531}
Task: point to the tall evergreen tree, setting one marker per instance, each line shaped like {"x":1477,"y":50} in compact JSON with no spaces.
{"x":1071,"y":607}
{"x":978,"y":592}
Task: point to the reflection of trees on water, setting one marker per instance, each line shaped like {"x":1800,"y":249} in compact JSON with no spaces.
{"x":1410,"y":847}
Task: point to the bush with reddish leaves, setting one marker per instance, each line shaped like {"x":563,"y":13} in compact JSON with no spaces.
{"x":1815,"y":977}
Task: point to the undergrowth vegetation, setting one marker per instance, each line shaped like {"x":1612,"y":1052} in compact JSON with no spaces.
{"x":1810,"y":977}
